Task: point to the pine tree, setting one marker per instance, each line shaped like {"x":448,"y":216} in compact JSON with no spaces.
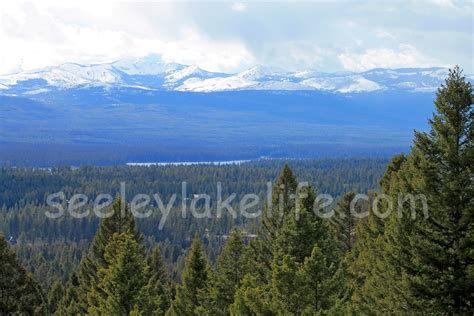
{"x":362,"y":266}
{"x":20,"y":294}
{"x":54,"y":296}
{"x":122,"y":287}
{"x":95,"y":259}
{"x":254,"y":294}
{"x":320,"y":284}
{"x":435,"y":257}
{"x":231,"y":267}
{"x":368,"y":271}
{"x":303,"y":242}
{"x":283,"y":199}
{"x":384,"y":289}
{"x":302,"y":229}
{"x":286,"y":286}
{"x":253,"y":297}
{"x":415,"y":264}
{"x":194,"y":287}
{"x":68,"y":304}
{"x":159,"y":281}
{"x":344,"y":223}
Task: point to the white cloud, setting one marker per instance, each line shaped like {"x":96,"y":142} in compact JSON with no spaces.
{"x":34,"y":37}
{"x":444,"y":3}
{"x":239,"y":7}
{"x":217,"y":36}
{"x":405,"y":56}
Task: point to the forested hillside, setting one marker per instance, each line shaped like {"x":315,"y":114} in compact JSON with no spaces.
{"x":53,"y":247}
{"x":412,"y":254}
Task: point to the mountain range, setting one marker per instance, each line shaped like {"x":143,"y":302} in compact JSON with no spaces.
{"x":153,"y":73}
{"x":146,"y":109}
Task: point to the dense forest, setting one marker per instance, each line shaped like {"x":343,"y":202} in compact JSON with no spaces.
{"x":400,"y":259}
{"x":53,"y":247}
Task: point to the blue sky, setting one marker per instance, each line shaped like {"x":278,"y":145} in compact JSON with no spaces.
{"x":232,"y":36}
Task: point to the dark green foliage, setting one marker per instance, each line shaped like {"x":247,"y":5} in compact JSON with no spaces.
{"x":253,"y":297}
{"x":95,"y":258}
{"x":439,"y":265}
{"x":344,"y":223}
{"x":53,"y":248}
{"x":69,"y":303}
{"x":283,"y":200}
{"x":305,"y":270}
{"x":54,"y":296}
{"x":363,"y":266}
{"x":122,"y":285}
{"x":231,"y":268}
{"x":418,"y":262}
{"x":19,"y":292}
{"x":159,"y":282}
{"x":191,"y":293}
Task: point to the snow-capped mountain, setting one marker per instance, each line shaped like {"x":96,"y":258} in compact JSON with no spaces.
{"x":153,"y":73}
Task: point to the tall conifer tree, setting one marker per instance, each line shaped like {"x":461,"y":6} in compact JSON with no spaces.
{"x":121,"y":221}
{"x":191,"y":293}
{"x":20,"y":294}
{"x":283,"y":200}
{"x":254,"y":295}
{"x":306,"y":261}
{"x":231,"y":267}
{"x":434,"y":252}
{"x":122,"y":288}
{"x":159,"y":282}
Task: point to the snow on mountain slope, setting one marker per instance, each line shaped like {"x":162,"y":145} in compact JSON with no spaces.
{"x":54,"y":76}
{"x":216,"y":84}
{"x":92,"y":73}
{"x":260,"y":72}
{"x":151,"y":72}
{"x":360,"y":85}
{"x":255,"y":78}
{"x":149,"y":65}
{"x":195,"y":73}
{"x":343,"y":84}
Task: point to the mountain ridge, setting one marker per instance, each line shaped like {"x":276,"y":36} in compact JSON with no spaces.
{"x":153,"y":73}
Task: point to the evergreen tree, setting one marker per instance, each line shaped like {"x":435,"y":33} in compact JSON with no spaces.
{"x":54,"y":296}
{"x":362,"y":265}
{"x":121,"y":221}
{"x":20,"y":294}
{"x":344,"y":223}
{"x":122,"y":288}
{"x":283,"y":200}
{"x":384,"y":288}
{"x":303,"y":229}
{"x":231,"y":267}
{"x":435,"y":261}
{"x":159,"y":281}
{"x":286,"y":287}
{"x":68,"y":304}
{"x":321,"y":283}
{"x":254,"y":295}
{"x":304,"y":245}
{"x":194,"y":287}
